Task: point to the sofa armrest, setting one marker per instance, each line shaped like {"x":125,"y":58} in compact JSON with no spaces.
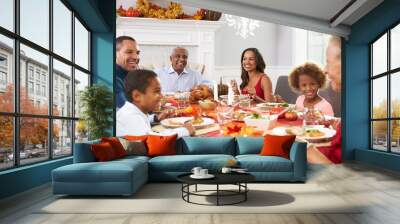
{"x":83,"y":152}
{"x":298,"y":155}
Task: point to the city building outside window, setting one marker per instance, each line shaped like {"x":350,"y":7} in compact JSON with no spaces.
{"x":56,"y":127}
{"x":385,"y":96}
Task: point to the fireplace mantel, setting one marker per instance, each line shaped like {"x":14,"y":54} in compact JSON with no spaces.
{"x":157,"y":37}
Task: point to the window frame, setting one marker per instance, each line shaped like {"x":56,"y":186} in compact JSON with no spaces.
{"x":388,"y":74}
{"x":16,"y":114}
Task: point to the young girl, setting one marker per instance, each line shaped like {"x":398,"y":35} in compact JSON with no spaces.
{"x":308,"y":79}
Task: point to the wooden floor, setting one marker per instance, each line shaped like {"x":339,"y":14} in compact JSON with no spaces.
{"x":377,"y":188}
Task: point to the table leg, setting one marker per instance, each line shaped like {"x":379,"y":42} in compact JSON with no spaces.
{"x":245,"y":191}
{"x":196,"y":188}
{"x":217,"y":194}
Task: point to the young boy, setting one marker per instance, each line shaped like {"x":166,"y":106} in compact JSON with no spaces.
{"x":143,"y":94}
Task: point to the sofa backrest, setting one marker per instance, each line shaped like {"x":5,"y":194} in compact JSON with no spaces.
{"x":83,"y":152}
{"x":249,"y":145}
{"x":206,"y":145}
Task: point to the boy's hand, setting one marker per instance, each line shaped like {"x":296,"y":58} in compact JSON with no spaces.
{"x":165,"y":114}
{"x":189,"y":127}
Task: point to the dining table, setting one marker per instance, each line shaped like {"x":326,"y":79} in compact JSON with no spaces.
{"x":228,"y":126}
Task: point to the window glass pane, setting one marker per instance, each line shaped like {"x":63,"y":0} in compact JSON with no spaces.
{"x":379,"y":135}
{"x":33,"y":139}
{"x":32,"y":98}
{"x":379,"y":55}
{"x":395,"y":136}
{"x":7,"y":14}
{"x":62,"y":89}
{"x":6,"y":142}
{"x":395,"y":47}
{"x":81,"y":81}
{"x":379,"y":97}
{"x":62,"y":141}
{"x":62,"y":29}
{"x":81,"y":131}
{"x":6,"y":74}
{"x":81,"y":45}
{"x":35,"y":21}
{"x":395,"y":94}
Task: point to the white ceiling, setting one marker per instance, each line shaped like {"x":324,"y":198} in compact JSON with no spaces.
{"x":315,"y":15}
{"x":321,"y":9}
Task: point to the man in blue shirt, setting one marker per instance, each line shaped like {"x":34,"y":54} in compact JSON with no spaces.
{"x":176,"y":77}
{"x":127,"y":59}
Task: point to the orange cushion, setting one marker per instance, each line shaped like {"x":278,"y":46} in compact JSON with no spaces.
{"x":275,"y":145}
{"x":136,"y":138}
{"x":103,"y":151}
{"x":116,"y":145}
{"x":161,"y":145}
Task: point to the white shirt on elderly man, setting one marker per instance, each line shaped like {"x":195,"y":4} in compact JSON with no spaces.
{"x":132,"y":121}
{"x":171,"y":81}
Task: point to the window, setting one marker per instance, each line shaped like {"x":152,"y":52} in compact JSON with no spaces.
{"x":44,"y":91}
{"x":385,"y":96}
{"x":316,"y":47}
{"x":3,"y":71}
{"x":43,"y":77}
{"x":38,"y":89}
{"x":38,"y":74}
{"x":30,"y":73}
{"x":39,"y":80}
{"x":3,"y":78}
{"x":7,"y":14}
{"x":30,"y":87}
{"x":3,"y":61}
{"x":6,"y":90}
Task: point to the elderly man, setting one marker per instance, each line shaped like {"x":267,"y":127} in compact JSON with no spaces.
{"x":127,"y":59}
{"x":177,"y":77}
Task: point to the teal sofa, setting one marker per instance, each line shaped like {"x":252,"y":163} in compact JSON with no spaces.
{"x":125,"y":176}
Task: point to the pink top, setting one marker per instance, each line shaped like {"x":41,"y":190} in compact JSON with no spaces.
{"x":259,"y":90}
{"x":324,"y":106}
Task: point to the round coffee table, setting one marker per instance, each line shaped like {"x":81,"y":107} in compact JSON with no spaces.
{"x":238,"y":179}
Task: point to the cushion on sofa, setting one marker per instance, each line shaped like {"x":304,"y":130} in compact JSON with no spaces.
{"x":206,"y":145}
{"x":134,"y":147}
{"x":249,"y":145}
{"x":257,"y":163}
{"x":277,"y":145}
{"x":116,"y":145}
{"x":185,"y":163}
{"x":103,"y":152}
{"x":161,"y":145}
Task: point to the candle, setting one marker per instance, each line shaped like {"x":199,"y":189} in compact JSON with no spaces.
{"x":215,"y":89}
{"x":230,"y":94}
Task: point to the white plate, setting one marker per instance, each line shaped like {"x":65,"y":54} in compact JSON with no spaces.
{"x":329,"y":133}
{"x":273,"y":104}
{"x":208,"y":176}
{"x":177,"y":122}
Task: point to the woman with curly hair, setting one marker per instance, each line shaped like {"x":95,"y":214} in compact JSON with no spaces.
{"x":308,"y":79}
{"x":254,"y":81}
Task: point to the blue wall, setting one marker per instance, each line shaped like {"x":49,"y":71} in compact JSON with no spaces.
{"x":356,"y":82}
{"x":99,"y":16}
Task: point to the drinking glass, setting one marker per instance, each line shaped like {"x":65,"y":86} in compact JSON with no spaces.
{"x":312,"y":116}
{"x":224,"y":113}
{"x":244,"y":101}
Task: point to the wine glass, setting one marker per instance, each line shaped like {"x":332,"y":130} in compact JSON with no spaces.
{"x":224,"y":112}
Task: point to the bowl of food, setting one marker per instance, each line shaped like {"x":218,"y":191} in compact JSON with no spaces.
{"x":207,"y":104}
{"x":261,"y":121}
